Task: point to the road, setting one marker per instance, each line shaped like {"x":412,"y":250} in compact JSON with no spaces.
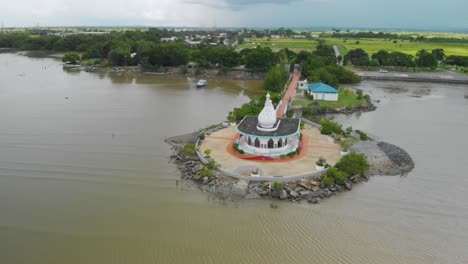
{"x":337,"y":53}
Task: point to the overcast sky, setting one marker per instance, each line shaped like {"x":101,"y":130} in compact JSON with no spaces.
{"x":413,"y":14}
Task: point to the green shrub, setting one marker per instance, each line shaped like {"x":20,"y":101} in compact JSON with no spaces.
{"x":236,"y":148}
{"x":359,"y":94}
{"x":321,"y":162}
{"x":353,"y":164}
{"x":310,"y":97}
{"x":201,"y":136}
{"x":367,"y":97}
{"x":207,"y":173}
{"x":337,"y":175}
{"x":298,"y":150}
{"x":307,"y":111}
{"x":188,"y":150}
{"x":345,"y":144}
{"x":212,"y":165}
{"x":71,"y":57}
{"x":278,"y":186}
{"x":363,"y":136}
{"x":329,"y":126}
{"x":328,"y":181}
{"x":207,"y":152}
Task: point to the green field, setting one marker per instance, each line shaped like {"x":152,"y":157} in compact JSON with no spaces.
{"x":371,"y":46}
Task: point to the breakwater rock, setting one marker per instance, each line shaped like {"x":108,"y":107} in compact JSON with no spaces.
{"x":384,"y":158}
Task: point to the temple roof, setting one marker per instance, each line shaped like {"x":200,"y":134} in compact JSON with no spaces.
{"x":286,"y":127}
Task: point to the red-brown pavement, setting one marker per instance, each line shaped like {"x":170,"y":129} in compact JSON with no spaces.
{"x":290,"y":93}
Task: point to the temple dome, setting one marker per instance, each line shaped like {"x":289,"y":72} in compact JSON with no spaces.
{"x":267,"y":117}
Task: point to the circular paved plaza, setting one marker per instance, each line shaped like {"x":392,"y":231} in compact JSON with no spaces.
{"x":314,"y":146}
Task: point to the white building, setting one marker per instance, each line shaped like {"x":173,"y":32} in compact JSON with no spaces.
{"x":323,"y":92}
{"x":267,"y":135}
{"x":169,"y":39}
{"x":303,"y":85}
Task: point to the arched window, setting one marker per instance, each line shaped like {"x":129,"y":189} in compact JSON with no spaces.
{"x":280,"y":143}
{"x":249,"y":141}
{"x":257,"y":143}
{"x":271,"y":143}
{"x":285,"y":141}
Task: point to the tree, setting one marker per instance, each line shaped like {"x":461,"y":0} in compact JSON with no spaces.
{"x":381,"y":57}
{"x":119,"y":55}
{"x":71,"y":57}
{"x":353,"y":164}
{"x":324,"y":76}
{"x":457,"y":60}
{"x":260,"y":59}
{"x":358,"y":57}
{"x":399,"y":59}
{"x":439,"y":54}
{"x":426,"y":59}
{"x":275,"y":79}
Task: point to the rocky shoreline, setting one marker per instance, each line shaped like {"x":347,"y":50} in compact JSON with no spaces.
{"x":383,"y":158}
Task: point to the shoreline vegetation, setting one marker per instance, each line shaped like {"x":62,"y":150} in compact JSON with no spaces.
{"x":250,"y":50}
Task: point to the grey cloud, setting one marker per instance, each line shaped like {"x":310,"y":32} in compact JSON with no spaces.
{"x":239,"y":4}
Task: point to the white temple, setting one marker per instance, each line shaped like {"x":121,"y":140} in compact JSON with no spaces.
{"x":267,"y":135}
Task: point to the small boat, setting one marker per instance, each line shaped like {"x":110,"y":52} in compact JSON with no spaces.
{"x":202,"y":83}
{"x":383,"y":71}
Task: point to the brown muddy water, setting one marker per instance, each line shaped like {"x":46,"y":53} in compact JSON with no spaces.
{"x":85,"y":178}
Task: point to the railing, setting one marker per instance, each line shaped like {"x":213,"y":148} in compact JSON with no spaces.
{"x":311,"y":123}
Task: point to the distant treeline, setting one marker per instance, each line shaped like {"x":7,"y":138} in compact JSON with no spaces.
{"x":135,"y":47}
{"x":385,"y":35}
{"x":423,"y":59}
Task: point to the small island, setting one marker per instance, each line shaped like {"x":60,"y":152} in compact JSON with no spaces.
{"x":279,"y":155}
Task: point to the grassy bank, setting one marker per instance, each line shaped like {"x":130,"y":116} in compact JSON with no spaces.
{"x":346,"y":98}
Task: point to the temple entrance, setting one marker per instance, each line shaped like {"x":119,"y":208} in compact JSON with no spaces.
{"x":280,"y":143}
{"x":249,"y":141}
{"x":271,"y":143}
{"x":257,"y":143}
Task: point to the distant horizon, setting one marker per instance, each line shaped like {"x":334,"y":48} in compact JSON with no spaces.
{"x":415,"y":15}
{"x":297,"y":28}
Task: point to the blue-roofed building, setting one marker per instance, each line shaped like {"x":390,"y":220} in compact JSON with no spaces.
{"x":323,"y":92}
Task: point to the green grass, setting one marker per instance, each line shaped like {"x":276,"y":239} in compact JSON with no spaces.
{"x":188,"y":149}
{"x":277,"y":44}
{"x":371,"y":46}
{"x":345,"y":99}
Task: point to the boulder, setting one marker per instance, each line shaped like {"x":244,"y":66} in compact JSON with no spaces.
{"x":348,"y":185}
{"x":304,"y":192}
{"x":283,"y":195}
{"x":298,"y":189}
{"x":294,"y":194}
{"x":314,"y":200}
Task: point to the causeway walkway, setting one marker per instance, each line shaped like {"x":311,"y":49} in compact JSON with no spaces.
{"x":290,"y":93}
